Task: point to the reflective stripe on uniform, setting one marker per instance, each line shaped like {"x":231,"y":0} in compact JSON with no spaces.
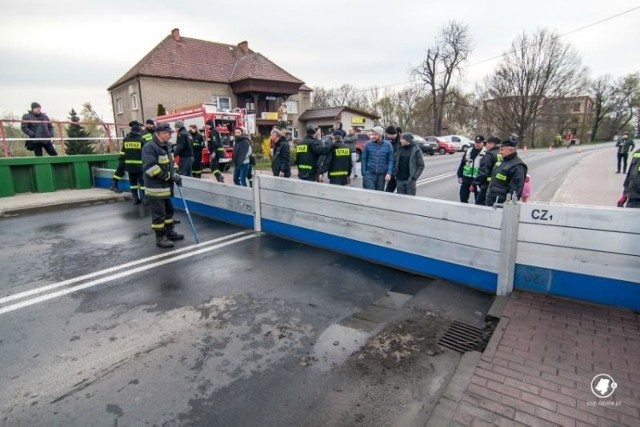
{"x":339,"y":173}
{"x":501,"y":177}
{"x":157,"y":226}
{"x":168,"y":221}
{"x":133,"y":162}
{"x":304,"y":167}
{"x":163,"y":160}
{"x":158,"y":192}
{"x":153,"y":171}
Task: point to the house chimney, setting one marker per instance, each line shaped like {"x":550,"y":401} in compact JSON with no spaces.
{"x":175,"y":33}
{"x":244,"y":46}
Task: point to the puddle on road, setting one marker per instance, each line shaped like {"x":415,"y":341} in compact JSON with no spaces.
{"x":335,"y":344}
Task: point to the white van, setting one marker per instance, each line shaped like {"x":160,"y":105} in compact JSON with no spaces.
{"x":459,"y":141}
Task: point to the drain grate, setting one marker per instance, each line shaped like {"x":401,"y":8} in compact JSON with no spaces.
{"x":462,"y":337}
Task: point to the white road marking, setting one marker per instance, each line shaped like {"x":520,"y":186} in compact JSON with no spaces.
{"x":435,"y":178}
{"x":193,"y":250}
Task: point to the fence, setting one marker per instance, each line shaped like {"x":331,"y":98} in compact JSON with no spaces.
{"x":585,"y":253}
{"x":13,"y":139}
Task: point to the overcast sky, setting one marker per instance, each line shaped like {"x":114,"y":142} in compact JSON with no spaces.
{"x":64,"y":53}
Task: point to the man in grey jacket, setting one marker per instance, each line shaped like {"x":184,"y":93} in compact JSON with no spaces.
{"x":409,"y":165}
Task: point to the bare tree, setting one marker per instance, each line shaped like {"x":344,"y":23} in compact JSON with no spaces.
{"x":537,"y":67}
{"x":441,"y":63}
{"x":603,"y":93}
{"x":626,"y":97}
{"x":321,"y":98}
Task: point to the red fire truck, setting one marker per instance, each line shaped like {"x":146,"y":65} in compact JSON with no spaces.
{"x":225,"y":122}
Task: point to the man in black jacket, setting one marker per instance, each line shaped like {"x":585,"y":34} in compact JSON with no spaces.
{"x":337,"y":162}
{"x":469,"y":168}
{"x":241,"y":157}
{"x":184,"y":149}
{"x":392,"y":135}
{"x":308,"y":152}
{"x":197,"y":141}
{"x":132,"y":154}
{"x":409,"y":165}
{"x":40,"y":129}
{"x":508,"y":174}
{"x":281,"y":160}
{"x":481,"y":182}
{"x":631,"y":192}
{"x":624,"y":145}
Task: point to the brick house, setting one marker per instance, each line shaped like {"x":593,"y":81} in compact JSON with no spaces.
{"x":183,"y":71}
{"x":326,"y":118}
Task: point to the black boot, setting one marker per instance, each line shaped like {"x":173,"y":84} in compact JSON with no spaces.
{"x":162,"y":241}
{"x":220,"y":178}
{"x":114,"y":186}
{"x":136,"y":199}
{"x":171,"y":233}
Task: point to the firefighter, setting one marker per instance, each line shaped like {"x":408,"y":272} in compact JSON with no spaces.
{"x":149,"y":128}
{"x":468,"y":169}
{"x":508,"y":174}
{"x":157,"y":164}
{"x":337,"y":162}
{"x":216,"y":149}
{"x":481,"y":182}
{"x":132,"y":153}
{"x":119,"y":173}
{"x":198,"y":144}
{"x":308,"y":153}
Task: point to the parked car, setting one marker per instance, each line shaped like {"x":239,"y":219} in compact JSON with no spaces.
{"x":460,"y":142}
{"x":427,"y":147}
{"x":444,"y":147}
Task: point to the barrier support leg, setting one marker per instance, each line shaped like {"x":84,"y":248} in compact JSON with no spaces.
{"x":508,"y":247}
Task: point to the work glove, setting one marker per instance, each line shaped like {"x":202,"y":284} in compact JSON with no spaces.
{"x":622,"y":200}
{"x":177,"y":179}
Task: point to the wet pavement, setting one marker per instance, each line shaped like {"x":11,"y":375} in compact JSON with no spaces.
{"x":101,"y":327}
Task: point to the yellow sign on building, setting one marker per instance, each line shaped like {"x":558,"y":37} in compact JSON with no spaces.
{"x":357,"y":120}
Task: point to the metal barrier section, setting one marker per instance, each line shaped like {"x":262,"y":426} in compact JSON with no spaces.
{"x":580,"y":252}
{"x":430,"y":237}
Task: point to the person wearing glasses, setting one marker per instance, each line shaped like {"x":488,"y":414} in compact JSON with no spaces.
{"x":509,"y":173}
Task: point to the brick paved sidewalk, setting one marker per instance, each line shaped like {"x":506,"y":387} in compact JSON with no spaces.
{"x":548,"y":351}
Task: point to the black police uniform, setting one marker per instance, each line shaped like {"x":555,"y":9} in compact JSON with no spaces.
{"x":481,"y":182}
{"x":508,"y":177}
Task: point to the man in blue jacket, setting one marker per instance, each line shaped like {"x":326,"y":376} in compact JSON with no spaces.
{"x":377,"y":161}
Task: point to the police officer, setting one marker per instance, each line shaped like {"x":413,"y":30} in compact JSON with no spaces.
{"x":488,"y":161}
{"x":132,"y":153}
{"x":157,"y":164}
{"x":197,"y":141}
{"x":216,"y":149}
{"x":308,"y":153}
{"x":508,"y":174}
{"x":337,"y":162}
{"x":631,"y":193}
{"x":469,"y":167}
{"x":624,"y":145}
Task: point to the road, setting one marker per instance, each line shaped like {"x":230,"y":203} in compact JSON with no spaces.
{"x":98,"y":326}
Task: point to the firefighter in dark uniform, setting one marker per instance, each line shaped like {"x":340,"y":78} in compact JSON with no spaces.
{"x":197,"y":141}
{"x":308,"y":153}
{"x":631,"y":192}
{"x":157,"y":164}
{"x":508,"y":174}
{"x":149,"y":128}
{"x":132,"y":154}
{"x":469,"y":168}
{"x":216,"y":149}
{"x":337,"y":162}
{"x":488,"y":161}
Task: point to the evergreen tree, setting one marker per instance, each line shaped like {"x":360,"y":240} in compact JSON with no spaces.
{"x":161,"y":110}
{"x":74,"y":130}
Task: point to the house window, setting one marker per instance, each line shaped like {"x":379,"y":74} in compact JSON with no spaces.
{"x":250,"y":106}
{"x":119,"y":106}
{"x":221,"y":102}
{"x":292,"y":107}
{"x":134,"y":101}
{"x":576,"y":107}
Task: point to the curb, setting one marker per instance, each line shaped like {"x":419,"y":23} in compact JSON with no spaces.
{"x":9,"y":212}
{"x":445,"y":409}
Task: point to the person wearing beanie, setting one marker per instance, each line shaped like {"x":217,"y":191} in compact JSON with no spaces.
{"x":469,"y":168}
{"x":338,"y":127}
{"x":38,"y":127}
{"x":337,"y":162}
{"x":149,"y":129}
{"x":215,"y":147}
{"x":487,"y":163}
{"x":131,"y":156}
{"x":376,"y":162}
{"x":392,"y":134}
{"x":184,"y":149}
{"x":409,"y":165}
{"x":308,"y":155}
{"x":281,"y":158}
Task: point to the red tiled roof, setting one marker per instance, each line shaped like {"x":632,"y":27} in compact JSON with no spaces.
{"x":332,"y":113}
{"x":193,"y":59}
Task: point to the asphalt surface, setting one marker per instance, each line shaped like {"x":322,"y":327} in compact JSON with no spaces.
{"x":100,"y":327}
